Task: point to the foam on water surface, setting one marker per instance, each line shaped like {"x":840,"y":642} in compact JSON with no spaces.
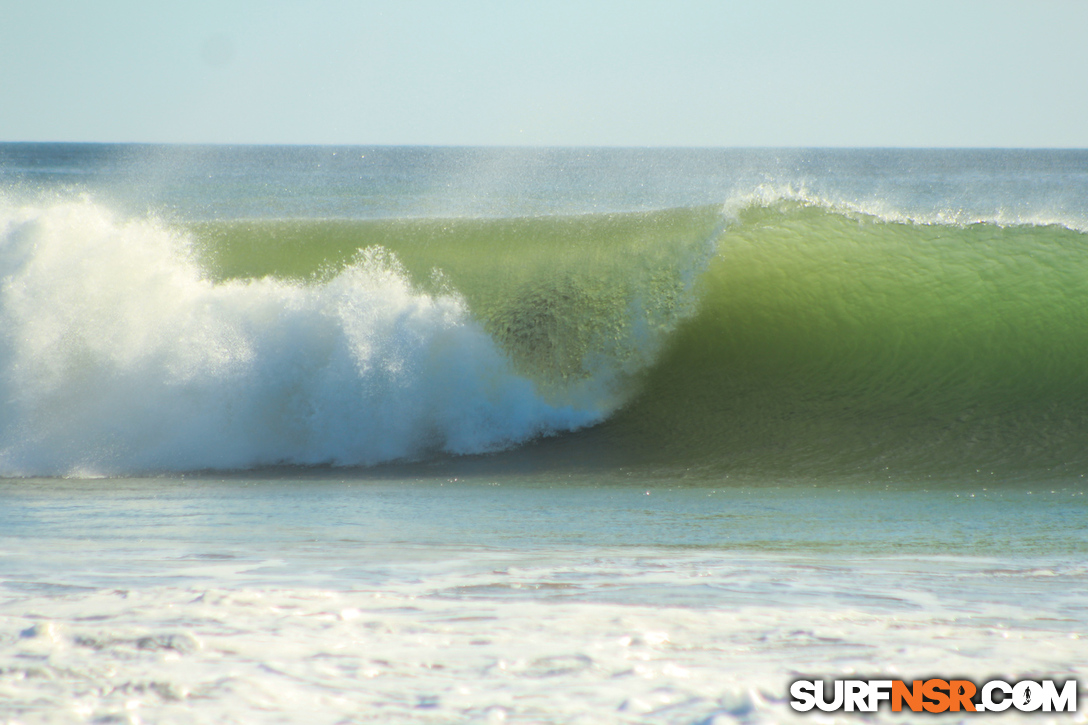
{"x":503,"y":600}
{"x":602,"y":636}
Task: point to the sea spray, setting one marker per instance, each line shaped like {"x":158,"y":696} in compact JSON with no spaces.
{"x":120,"y":355}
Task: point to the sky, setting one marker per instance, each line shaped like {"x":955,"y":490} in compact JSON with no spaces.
{"x":954,"y":73}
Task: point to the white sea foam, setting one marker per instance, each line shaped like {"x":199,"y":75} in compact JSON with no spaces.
{"x":544,"y":637}
{"x":118,"y":355}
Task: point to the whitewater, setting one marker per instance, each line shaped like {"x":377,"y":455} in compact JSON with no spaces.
{"x":109,"y":326}
{"x":353,"y":434}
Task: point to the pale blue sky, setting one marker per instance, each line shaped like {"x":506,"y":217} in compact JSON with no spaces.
{"x":675,"y":73}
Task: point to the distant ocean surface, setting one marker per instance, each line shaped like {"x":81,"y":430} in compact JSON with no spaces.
{"x":438,"y":435}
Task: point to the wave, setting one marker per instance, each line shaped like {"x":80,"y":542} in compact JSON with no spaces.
{"x":777,"y":336}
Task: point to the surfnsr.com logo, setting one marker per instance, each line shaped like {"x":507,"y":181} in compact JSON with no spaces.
{"x":934,"y":695}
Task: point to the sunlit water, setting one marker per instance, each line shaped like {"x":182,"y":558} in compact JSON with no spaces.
{"x":659,"y":431}
{"x":337,"y":598}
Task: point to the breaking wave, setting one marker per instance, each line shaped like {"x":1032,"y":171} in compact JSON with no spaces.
{"x":778,"y":335}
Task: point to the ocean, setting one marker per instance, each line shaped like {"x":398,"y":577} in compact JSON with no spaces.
{"x":443,"y":435}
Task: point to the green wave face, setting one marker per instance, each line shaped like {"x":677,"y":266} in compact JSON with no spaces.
{"x":828,"y":343}
{"x":795,"y":340}
{"x":580,"y":304}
